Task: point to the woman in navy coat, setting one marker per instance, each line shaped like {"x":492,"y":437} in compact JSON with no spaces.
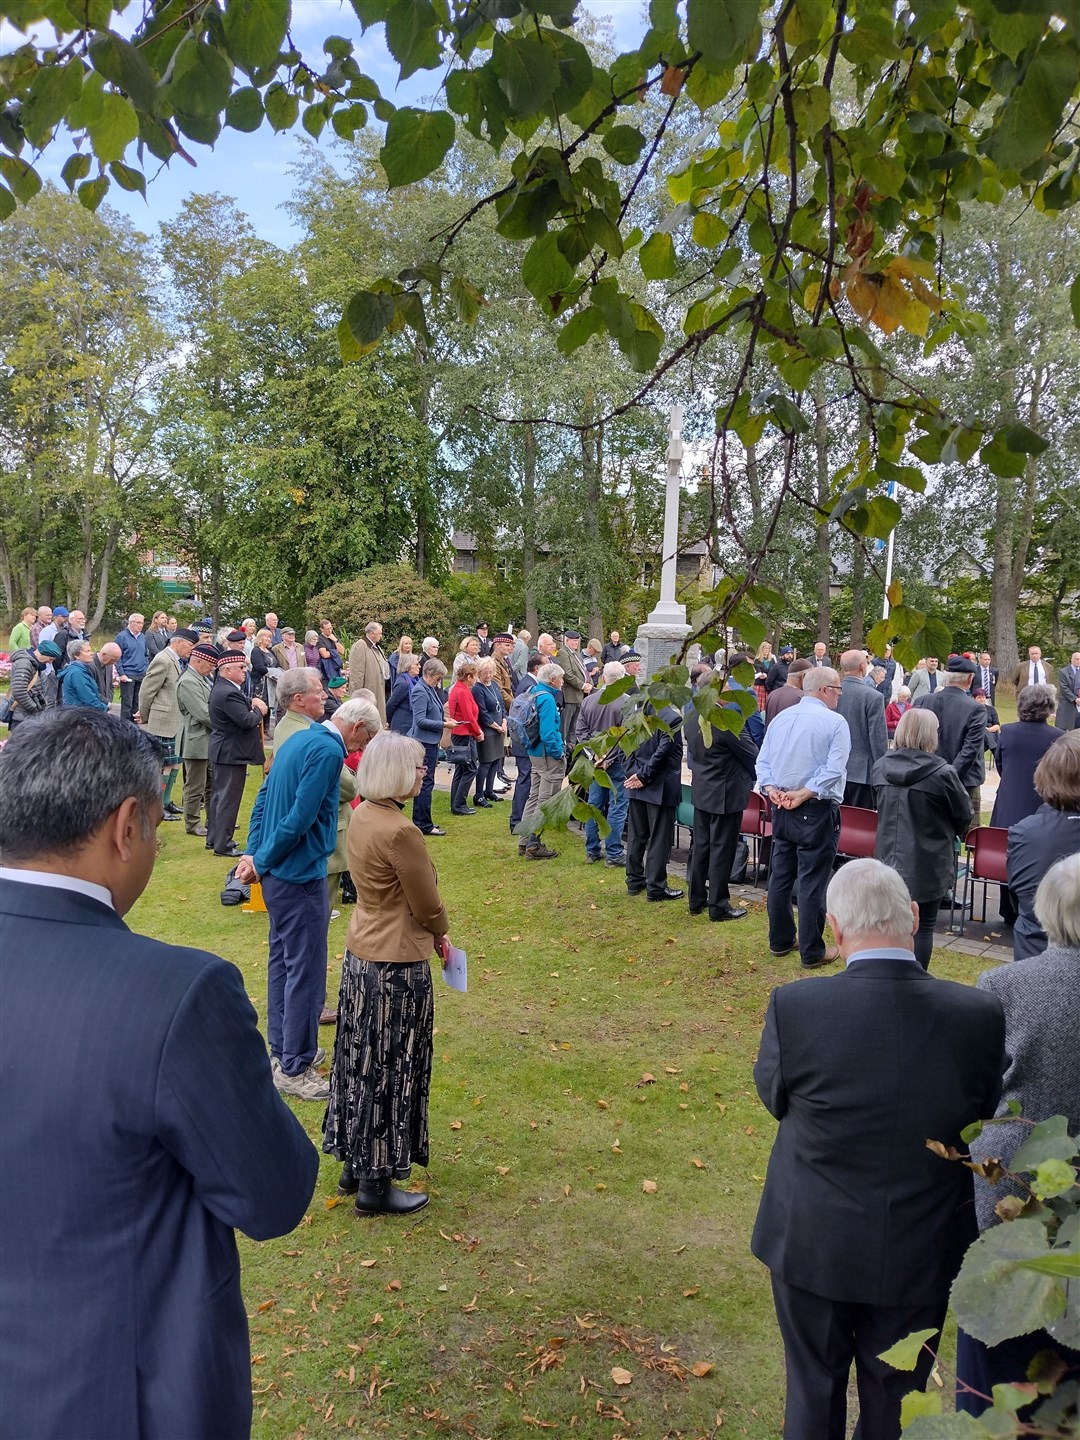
{"x":1020,"y":748}
{"x":399,"y":714}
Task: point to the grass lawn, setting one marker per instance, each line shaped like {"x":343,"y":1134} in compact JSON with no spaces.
{"x":597,"y":1152}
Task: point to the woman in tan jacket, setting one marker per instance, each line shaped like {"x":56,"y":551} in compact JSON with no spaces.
{"x":376,"y":1119}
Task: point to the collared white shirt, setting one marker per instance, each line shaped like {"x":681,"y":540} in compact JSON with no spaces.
{"x":56,"y":882}
{"x":886,"y":952}
{"x":1036,"y":672}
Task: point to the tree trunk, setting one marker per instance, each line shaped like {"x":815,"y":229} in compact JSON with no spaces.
{"x":592,"y":445}
{"x":753,"y":485}
{"x":94,"y":620}
{"x":823,"y":535}
{"x":528,"y":528}
{"x":7,"y":578}
{"x":858,"y":598}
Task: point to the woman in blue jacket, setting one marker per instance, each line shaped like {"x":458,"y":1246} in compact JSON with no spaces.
{"x":428,"y":720}
{"x":399,"y":706}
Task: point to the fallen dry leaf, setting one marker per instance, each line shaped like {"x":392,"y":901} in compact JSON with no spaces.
{"x":701,"y":1369}
{"x":603,"y":1105}
{"x":616,"y":1149}
{"x":367,"y":1264}
{"x":649,"y":1186}
{"x":671,"y":1070}
{"x":689,"y":1294}
{"x":266,"y":1305}
{"x":683,"y":1087}
{"x":394,"y":1285}
{"x":647,"y":1079}
{"x":698,"y":1164}
{"x":502,"y":1169}
{"x":455,"y":1124}
{"x":332,"y":1200}
{"x":621,"y":1376}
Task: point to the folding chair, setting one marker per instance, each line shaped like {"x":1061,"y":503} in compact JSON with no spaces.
{"x":987,"y":846}
{"x":684,"y":815}
{"x":757,"y":828}
{"x":858,"y":833}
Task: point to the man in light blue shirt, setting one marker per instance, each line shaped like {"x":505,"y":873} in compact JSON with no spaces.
{"x":802,"y":770}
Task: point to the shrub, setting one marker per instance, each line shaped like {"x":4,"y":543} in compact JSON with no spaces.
{"x":396,"y":597}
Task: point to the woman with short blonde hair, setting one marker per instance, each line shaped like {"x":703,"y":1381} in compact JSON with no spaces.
{"x":377,"y":1114}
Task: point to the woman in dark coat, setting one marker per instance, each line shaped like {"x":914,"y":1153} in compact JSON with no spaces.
{"x":1044,"y":838}
{"x":1020,"y":748}
{"x":922,"y":809}
{"x":490,"y":748}
{"x":399,"y":707}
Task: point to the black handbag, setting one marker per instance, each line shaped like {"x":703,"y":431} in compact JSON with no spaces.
{"x":462,"y":753}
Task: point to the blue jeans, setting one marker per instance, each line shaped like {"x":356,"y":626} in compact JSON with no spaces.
{"x":614,"y":803}
{"x":296,"y":971}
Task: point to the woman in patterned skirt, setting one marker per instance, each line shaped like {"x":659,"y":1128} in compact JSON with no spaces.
{"x":376,"y":1119}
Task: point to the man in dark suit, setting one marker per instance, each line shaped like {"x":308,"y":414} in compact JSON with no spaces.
{"x":235,"y":743}
{"x":986,"y":676}
{"x":153,"y":1131}
{"x":721,"y":778}
{"x":863,"y":707}
{"x":961,"y":726}
{"x":862,"y":1227}
{"x":1068,"y":710}
{"x":654,"y":784}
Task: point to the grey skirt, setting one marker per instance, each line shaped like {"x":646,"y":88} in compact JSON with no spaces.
{"x":377,"y":1116}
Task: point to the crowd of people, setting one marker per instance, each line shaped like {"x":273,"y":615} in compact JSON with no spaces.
{"x":349,"y":741}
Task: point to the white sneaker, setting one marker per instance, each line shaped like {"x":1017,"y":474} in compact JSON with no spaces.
{"x":334,"y":914}
{"x":308,"y":1085}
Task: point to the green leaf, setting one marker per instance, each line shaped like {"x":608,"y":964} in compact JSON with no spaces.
{"x":348,"y":120}
{"x":201,"y":81}
{"x":128,"y":178}
{"x":255,"y":31}
{"x":282,"y":107}
{"x":575,"y":68}
{"x":602,"y":231}
{"x":1063,"y":1263}
{"x":904,"y":1355}
{"x":366,"y":316}
{"x":883,"y":517}
{"x":314,"y":119}
{"x":624,"y":143}
{"x":417,"y":142}
{"x":92,"y":192}
{"x":528,"y":72}
{"x":466,"y":299}
{"x":1074,"y":301}
{"x":370,"y":12}
{"x":995,"y":1297}
{"x":22,"y":178}
{"x":545,"y":271}
{"x":1026,"y":123}
{"x":412,"y":35}
{"x":1023,"y":440}
{"x":244,"y":110}
{"x":1000,"y":460}
{"x":76,"y":167}
{"x":55,"y":88}
{"x":613,"y":692}
{"x":918,"y":1402}
{"x":8,"y":203}
{"x":657,"y":257}
{"x":579,"y":328}
{"x":784,"y":411}
{"x":120,"y":62}
{"x":720,"y":28}
{"x":112,"y":131}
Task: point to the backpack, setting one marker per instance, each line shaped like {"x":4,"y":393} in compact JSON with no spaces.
{"x":523,"y":721}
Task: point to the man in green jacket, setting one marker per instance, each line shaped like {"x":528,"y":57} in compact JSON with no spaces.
{"x":159,"y":709}
{"x":193,"y":740}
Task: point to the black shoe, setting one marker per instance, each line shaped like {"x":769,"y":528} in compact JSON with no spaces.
{"x":209,"y":845}
{"x":668,"y":894}
{"x":482,"y":803}
{"x":435,"y":830}
{"x":232,"y":853}
{"x":175,"y":815}
{"x":380,"y":1197}
{"x":171,"y":809}
{"x":347,"y":1182}
{"x":785,"y":949}
{"x":635,"y":889}
{"x":727,"y":912}
{"x":463,"y":812}
{"x":697,"y":910}
{"x":494,"y":799}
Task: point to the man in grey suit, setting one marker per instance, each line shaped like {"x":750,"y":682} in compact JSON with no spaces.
{"x":863,"y":707}
{"x":1068,"y":710}
{"x":926,"y":681}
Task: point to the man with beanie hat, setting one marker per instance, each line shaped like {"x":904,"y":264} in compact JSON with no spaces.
{"x":28,"y":698}
{"x":159,"y":709}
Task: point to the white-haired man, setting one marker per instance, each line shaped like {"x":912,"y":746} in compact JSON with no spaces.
{"x":862,"y":1227}
{"x":132,"y":665}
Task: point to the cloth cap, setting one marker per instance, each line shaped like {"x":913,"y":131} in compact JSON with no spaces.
{"x":337,"y":682}
{"x":961,"y":665}
{"x":231,"y":657}
{"x":205,"y":652}
{"x":287,"y":630}
{"x":191,"y":635}
{"x":46,"y":647}
{"x":571,"y":634}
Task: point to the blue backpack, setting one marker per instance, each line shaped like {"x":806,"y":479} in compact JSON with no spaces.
{"x":523,"y":721}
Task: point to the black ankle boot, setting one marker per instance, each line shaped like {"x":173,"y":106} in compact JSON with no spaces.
{"x":347,"y":1182}
{"x":380,"y":1197}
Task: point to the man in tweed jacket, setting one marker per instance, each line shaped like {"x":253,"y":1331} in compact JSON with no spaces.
{"x":160,"y":710}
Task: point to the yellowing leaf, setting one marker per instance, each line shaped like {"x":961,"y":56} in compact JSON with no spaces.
{"x":455,"y":1124}
{"x":603,"y":1105}
{"x":689,"y":1294}
{"x":502,"y":1169}
{"x":621,"y":1376}
{"x":698,"y":1164}
{"x":701,"y":1368}
{"x":649,"y":1186}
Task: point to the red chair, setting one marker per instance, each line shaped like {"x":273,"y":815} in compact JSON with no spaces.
{"x":987,"y":845}
{"x":858,"y":833}
{"x":757,"y":827}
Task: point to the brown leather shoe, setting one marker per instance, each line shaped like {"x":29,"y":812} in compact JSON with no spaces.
{"x":328,"y":1017}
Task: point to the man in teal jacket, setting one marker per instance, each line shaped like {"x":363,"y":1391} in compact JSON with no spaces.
{"x":291,"y":836}
{"x":548,"y":768}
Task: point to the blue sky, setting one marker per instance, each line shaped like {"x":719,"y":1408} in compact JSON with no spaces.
{"x":255,"y":168}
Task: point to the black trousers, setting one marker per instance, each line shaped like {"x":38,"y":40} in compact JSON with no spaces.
{"x":463,"y":777}
{"x":226,"y":791}
{"x":821,"y":1339}
{"x":129,"y":698}
{"x":803,"y":850}
{"x":651,"y":831}
{"x":856,"y":793}
{"x":711,"y":858}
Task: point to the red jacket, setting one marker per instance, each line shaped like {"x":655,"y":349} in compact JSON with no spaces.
{"x":894,"y":713}
{"x":464,"y":711}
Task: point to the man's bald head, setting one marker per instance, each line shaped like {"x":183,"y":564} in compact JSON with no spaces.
{"x":853,"y":662}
